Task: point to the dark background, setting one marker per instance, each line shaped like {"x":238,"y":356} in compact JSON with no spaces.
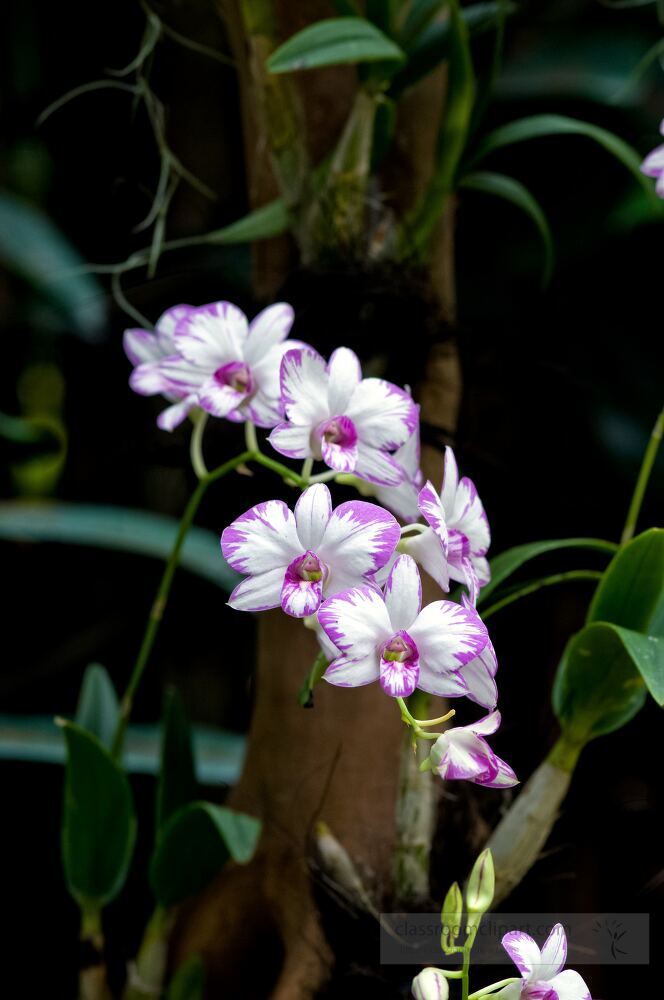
{"x":561,"y":389}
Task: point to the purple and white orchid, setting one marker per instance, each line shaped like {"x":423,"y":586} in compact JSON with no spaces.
{"x":541,"y":971}
{"x":392,"y":639}
{"x":458,"y":524}
{"x":294,"y":559}
{"x":462,"y":753}
{"x":335,"y":416}
{"x":402,"y":499}
{"x":219,"y":361}
{"x":653,"y":165}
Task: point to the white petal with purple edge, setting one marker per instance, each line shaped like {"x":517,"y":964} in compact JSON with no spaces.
{"x":523,"y":951}
{"x":166,"y":325}
{"x":219,"y":400}
{"x":463,"y":756}
{"x":300,"y":598}
{"x":356,"y":620}
{"x":212,"y":335}
{"x":172,"y":416}
{"x":344,"y":377}
{"x":444,"y":684}
{"x":431,"y":508}
{"x":377,"y":466}
{"x":291,"y":441}
{"x":448,"y":636}
{"x":487,"y":725}
{"x":468,"y":517}
{"x":181,"y":375}
{"x":481,"y":686}
{"x":399,"y":680}
{"x":303,"y":380}
{"x":384,"y":415}
{"x":401,"y":499}
{"x":261,"y":410}
{"x":450,"y":481}
{"x":553,"y":954}
{"x":503,"y":778}
{"x":269,"y":328}
{"x":141,"y":346}
{"x":261,"y":539}
{"x":570,"y":986}
{"x":148,"y":379}
{"x":266,"y":372}
{"x":359,"y":538}
{"x":349,"y":672}
{"x":403,"y":593}
{"x":258,"y":593}
{"x":426,"y":549}
{"x":312,"y":512}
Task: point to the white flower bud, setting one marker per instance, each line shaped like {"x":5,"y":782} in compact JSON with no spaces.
{"x":430,"y":984}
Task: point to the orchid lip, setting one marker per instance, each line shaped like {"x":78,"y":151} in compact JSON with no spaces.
{"x":310,"y":567}
{"x":400,"y":648}
{"x":338,"y":430}
{"x":237,"y":375}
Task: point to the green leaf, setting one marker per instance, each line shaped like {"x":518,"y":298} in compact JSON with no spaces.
{"x":515,"y":192}
{"x":420,"y":14}
{"x":263,"y":223}
{"x":177,"y":774}
{"x":33,"y":248}
{"x":98,"y":709}
{"x":333,"y":42}
{"x":121,"y":528}
{"x":194,"y":846}
{"x":188,"y":983}
{"x":508,"y":562}
{"x":632,"y":591}
{"x":99,"y":825}
{"x":599,"y":686}
{"x":542,"y":126}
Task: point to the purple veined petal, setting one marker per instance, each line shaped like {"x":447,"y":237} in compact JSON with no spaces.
{"x":261,"y":539}
{"x":468,"y":517}
{"x":328,"y":648}
{"x":460,"y":755}
{"x":141,"y":346}
{"x":469,"y":575}
{"x":258,"y":593}
{"x":570,"y":986}
{"x":504,"y":777}
{"x":348,"y":672}
{"x":401,"y":499}
{"x":398,"y":678}
{"x":481,"y":685}
{"x":403,"y":593}
{"x":303,"y":586}
{"x":212,"y":335}
{"x":219,"y":399}
{"x":337,"y":439}
{"x":166,"y":324}
{"x":303,"y":381}
{"x":345,"y":375}
{"x":523,"y":951}
{"x":553,"y":953}
{"x":182,"y":376}
{"x":538,"y":990}
{"x":432,"y":510}
{"x":266,"y":330}
{"x":312,"y":513}
{"x":385,"y":416}
{"x":173,"y":416}
{"x":653,"y":165}
{"x":444,"y":684}
{"x":450,"y":481}
{"x":487,"y":725}
{"x":358,"y":539}
{"x":291,"y":441}
{"x":408,"y":455}
{"x":262,"y":412}
{"x":482,"y":569}
{"x":377,"y":466}
{"x":148,"y":379}
{"x":267,"y":372}
{"x":448,"y":636}
{"x":427,"y":550}
{"x":356,"y":621}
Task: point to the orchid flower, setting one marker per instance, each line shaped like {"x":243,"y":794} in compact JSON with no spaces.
{"x":542,"y":978}
{"x":335,"y":416}
{"x":146,"y":350}
{"x":459,"y":526}
{"x":294,"y":559}
{"x":228,"y":366}
{"x":462,"y":753}
{"x":402,"y":499}
{"x":430,"y":984}
{"x":653,"y":165}
{"x":392,"y":639}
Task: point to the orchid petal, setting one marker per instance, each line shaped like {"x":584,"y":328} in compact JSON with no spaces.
{"x":344,"y":377}
{"x":339,"y":453}
{"x":258,"y":593}
{"x":450,"y":481}
{"x":385,"y":416}
{"x":261,"y":539}
{"x":300,"y":598}
{"x":481,"y":686}
{"x":403,"y":592}
{"x":399,"y":680}
{"x":462,"y":755}
{"x":266,"y":372}
{"x":166,"y":325}
{"x":504,"y":777}
{"x":359,"y":538}
{"x":432,"y":509}
{"x":172,"y":416}
{"x":554,"y":953}
{"x":487,"y":725}
{"x":218,"y":399}
{"x":426,"y":549}
{"x":312,"y":513}
{"x":303,"y":380}
{"x":523,"y":951}
{"x":346,"y":671}
{"x":148,"y":379}
{"x":443,"y":684}
{"x":448,"y":636}
{"x":260,"y":409}
{"x":291,"y":441}
{"x":266,"y":330}
{"x":377,"y":466}
{"x":468,"y":517}
{"x":401,"y":499}
{"x":212,"y":335}
{"x":570,"y":986}
{"x":141,"y":346}
{"x":356,"y":620}
{"x":181,"y":375}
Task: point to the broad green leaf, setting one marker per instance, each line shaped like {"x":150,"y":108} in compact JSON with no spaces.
{"x":332,"y":42}
{"x":116,"y":528}
{"x":600,"y":685}
{"x":263,"y":223}
{"x":518,"y":194}
{"x":33,"y":248}
{"x":188,"y":983}
{"x":177,"y":774}
{"x":543,"y":126}
{"x":36,"y":739}
{"x":194,"y":846}
{"x":632,"y":591}
{"x":506,"y":563}
{"x":99,"y":825}
{"x":98,"y":708}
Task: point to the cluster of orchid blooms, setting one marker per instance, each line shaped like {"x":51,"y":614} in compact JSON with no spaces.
{"x":351,"y":571}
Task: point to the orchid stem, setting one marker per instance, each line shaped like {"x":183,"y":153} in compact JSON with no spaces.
{"x":642,"y":481}
{"x":417,"y":724}
{"x":196,"y":446}
{"x":307,"y":466}
{"x":531,"y":588}
{"x":250,"y":437}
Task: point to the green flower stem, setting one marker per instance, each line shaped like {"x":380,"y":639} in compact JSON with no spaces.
{"x":196,"y":446}
{"x":465,"y":971}
{"x":289,"y":477}
{"x":494,"y":986}
{"x":417,"y":724}
{"x":452,"y":975}
{"x":642,"y":481}
{"x":307,"y":466}
{"x":546,"y":581}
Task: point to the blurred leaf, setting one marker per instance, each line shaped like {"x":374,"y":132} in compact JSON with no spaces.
{"x":632,"y":591}
{"x":32,"y":247}
{"x":262,"y":223}
{"x":383,"y":133}
{"x":333,"y":42}
{"x":383,"y":13}
{"x":36,"y":739}
{"x":194,"y":846}
{"x":348,"y":8}
{"x":99,"y":825}
{"x":116,"y":528}
{"x":541,"y":126}
{"x":98,"y":708}
{"x":177,"y":773}
{"x":419,"y":16}
{"x":188,"y":983}
{"x":517,"y":194}
{"x":508,"y":562}
{"x":598,"y":686}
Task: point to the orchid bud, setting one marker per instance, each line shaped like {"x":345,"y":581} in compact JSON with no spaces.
{"x":450,"y":917}
{"x":430,"y":984}
{"x":480,"y":889}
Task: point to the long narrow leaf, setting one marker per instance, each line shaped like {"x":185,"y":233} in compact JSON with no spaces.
{"x":517,"y":194}
{"x":263,"y":223}
{"x":333,"y":42}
